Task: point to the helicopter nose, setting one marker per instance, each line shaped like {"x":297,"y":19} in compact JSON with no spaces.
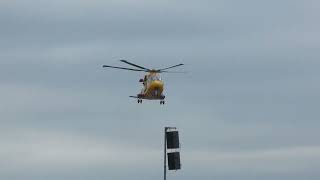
{"x":157,"y":85}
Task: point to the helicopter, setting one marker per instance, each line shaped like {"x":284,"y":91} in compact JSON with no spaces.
{"x":153,"y":85}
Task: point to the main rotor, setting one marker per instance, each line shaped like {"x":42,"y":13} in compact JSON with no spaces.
{"x":144,"y":69}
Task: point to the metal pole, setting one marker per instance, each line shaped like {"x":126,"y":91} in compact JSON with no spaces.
{"x":165,"y":154}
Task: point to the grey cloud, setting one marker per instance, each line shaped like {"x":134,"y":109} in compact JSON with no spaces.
{"x":250,"y":97}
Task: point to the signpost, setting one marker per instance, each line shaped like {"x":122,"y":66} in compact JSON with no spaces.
{"x":171,"y":141}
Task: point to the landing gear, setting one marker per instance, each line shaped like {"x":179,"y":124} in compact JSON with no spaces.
{"x":162,"y":102}
{"x":140,"y":101}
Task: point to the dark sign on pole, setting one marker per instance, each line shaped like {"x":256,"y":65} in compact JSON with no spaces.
{"x":173,"y":140}
{"x":174,"y":161}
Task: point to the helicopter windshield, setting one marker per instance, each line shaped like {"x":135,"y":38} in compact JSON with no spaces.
{"x":155,"y":78}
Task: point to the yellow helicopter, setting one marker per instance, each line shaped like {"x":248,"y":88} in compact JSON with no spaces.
{"x":153,"y":85}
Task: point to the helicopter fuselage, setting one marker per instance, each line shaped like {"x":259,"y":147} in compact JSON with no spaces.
{"x":153,"y":87}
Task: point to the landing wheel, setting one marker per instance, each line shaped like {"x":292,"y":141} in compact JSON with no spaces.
{"x":162,"y":102}
{"x":140,"y":101}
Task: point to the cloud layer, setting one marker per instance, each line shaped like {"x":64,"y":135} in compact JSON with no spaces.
{"x":247,"y":109}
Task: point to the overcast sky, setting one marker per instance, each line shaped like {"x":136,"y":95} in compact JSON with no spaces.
{"x":247,"y":110}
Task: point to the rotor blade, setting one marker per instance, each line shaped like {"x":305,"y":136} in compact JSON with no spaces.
{"x":171,"y":67}
{"x":178,"y":72}
{"x":124,"y":61}
{"x":115,"y":67}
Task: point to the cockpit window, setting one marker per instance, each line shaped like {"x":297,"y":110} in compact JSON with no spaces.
{"x":155,"y":78}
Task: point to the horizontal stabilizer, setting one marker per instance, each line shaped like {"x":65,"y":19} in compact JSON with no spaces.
{"x":134,"y":97}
